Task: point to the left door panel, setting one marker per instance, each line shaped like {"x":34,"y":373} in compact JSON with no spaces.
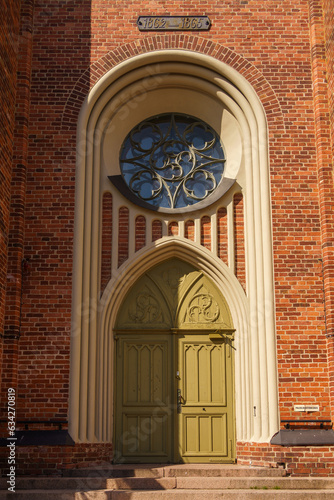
{"x":143,"y":405}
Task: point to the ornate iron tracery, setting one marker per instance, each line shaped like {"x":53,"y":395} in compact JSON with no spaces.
{"x":172,"y":160}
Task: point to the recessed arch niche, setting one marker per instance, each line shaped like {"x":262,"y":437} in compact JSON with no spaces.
{"x":142,"y":86}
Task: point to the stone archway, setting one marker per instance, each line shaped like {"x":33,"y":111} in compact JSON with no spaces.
{"x":177,"y":73}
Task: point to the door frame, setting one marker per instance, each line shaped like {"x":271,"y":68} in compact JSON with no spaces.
{"x":225,"y":336}
{"x":176,"y":335}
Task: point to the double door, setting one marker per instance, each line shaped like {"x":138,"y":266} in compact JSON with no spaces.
{"x":174,"y":398}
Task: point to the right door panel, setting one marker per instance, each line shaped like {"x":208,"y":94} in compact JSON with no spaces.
{"x":205,"y":400}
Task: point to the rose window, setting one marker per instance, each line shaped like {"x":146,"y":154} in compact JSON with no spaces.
{"x":172,"y":161}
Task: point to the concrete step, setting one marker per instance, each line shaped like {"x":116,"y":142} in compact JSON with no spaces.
{"x":58,"y":495}
{"x":166,"y":483}
{"x":193,"y":470}
{"x":260,"y":483}
{"x":176,"y":494}
{"x":219,"y":470}
{"x":117,"y":471}
{"x":91,"y":483}
{"x":223,"y":495}
{"x":175,"y":482}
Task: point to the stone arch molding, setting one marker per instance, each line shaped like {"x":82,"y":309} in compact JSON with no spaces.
{"x":124,"y":91}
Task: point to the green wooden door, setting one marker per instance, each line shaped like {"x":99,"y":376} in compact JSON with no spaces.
{"x":165,"y":351}
{"x":162,"y":399}
{"x":143,"y":399}
{"x":205,"y":400}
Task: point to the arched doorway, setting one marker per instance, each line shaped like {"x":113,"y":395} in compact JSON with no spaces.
{"x":174,"y":389}
{"x":160,"y":83}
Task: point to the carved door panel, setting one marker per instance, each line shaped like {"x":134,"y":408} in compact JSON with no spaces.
{"x":143,"y":399}
{"x":205,"y":400}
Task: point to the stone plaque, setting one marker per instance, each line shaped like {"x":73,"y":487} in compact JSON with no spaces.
{"x":173,"y":23}
{"x":306,"y":407}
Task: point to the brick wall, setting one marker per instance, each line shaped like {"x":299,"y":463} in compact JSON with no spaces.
{"x":298,"y":460}
{"x":50,"y":460}
{"x":17,"y":267}
{"x":328,"y":244}
{"x":328,"y":12}
{"x":325,"y":173}
{"x":9,"y":36}
{"x":74,"y":44}
{"x":45,"y":160}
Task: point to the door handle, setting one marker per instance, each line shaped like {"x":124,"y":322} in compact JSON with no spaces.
{"x":180,"y":400}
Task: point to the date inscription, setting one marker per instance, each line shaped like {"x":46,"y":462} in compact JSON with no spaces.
{"x":173,"y":23}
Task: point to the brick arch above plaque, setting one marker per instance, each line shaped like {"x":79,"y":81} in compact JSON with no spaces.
{"x":166,"y":42}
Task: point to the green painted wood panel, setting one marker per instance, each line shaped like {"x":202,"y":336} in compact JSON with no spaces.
{"x":143,"y":426}
{"x":205,"y":420}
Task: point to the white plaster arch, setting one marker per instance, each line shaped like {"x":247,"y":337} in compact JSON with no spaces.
{"x":90,"y":417}
{"x":220,"y":275}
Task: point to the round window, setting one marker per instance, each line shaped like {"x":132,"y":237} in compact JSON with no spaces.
{"x":172,"y":161}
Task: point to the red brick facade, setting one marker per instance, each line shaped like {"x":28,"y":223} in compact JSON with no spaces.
{"x":328,"y":12}
{"x":284,"y":49}
{"x":9,"y":54}
{"x":297,"y":460}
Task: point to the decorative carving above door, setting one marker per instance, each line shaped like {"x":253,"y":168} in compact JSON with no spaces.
{"x":174,"y":295}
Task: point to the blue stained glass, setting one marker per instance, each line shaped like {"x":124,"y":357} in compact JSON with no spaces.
{"x":172,"y":160}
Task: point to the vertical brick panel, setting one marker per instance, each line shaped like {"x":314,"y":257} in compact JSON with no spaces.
{"x":16,"y":269}
{"x":61,"y":49}
{"x":156,"y":230}
{"x":328,"y":12}
{"x":206,"y":232}
{"x":140,"y":232}
{"x":239,"y":239}
{"x":222,"y":234}
{"x":18,"y":185}
{"x":173,"y":229}
{"x":325,"y":167}
{"x":10,"y":19}
{"x":189,"y":230}
{"x":123,"y":235}
{"x":106,"y":251}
